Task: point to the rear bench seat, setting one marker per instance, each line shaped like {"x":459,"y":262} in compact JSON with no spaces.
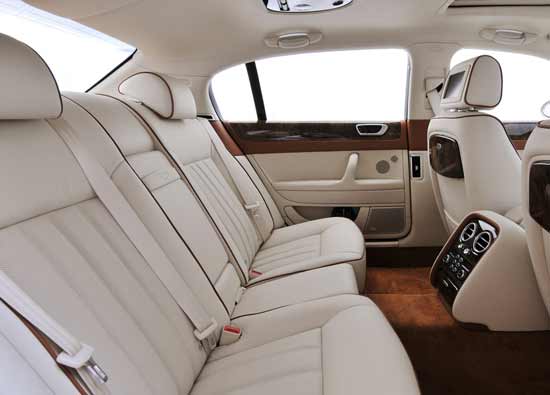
{"x":178,"y":207}
{"x":60,"y":244}
{"x":257,"y":237}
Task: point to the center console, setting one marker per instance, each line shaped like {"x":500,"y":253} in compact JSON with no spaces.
{"x":485,"y":277}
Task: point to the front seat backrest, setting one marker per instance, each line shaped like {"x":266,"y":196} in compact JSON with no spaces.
{"x":474,"y":165}
{"x":536,"y":204}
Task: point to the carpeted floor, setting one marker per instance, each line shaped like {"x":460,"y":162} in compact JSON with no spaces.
{"x":449,"y":359}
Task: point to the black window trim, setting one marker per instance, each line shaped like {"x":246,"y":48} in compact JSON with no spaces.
{"x":256,"y":88}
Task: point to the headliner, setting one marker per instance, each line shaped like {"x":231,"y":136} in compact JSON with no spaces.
{"x":199,"y":37}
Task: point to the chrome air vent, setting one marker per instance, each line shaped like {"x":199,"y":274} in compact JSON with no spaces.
{"x":482,"y":242}
{"x":468,"y":232}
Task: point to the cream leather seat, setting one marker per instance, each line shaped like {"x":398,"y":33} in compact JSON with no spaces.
{"x":60,"y":244}
{"x":175,"y":218}
{"x":474,"y":165}
{"x":536,"y":204}
{"x":256,"y":237}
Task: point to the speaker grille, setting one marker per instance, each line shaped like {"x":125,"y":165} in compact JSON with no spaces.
{"x":387,"y":220}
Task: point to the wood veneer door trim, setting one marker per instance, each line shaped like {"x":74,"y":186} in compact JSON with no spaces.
{"x":274,"y":137}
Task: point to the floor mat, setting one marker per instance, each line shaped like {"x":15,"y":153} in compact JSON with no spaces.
{"x":449,"y":359}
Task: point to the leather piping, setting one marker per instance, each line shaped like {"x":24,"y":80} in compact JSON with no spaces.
{"x":287,"y":305}
{"x":470,"y":76}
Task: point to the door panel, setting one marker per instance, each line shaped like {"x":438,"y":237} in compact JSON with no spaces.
{"x":318,"y":170}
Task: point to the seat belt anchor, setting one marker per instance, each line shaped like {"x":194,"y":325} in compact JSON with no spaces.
{"x":83,"y":359}
{"x":207,"y":337}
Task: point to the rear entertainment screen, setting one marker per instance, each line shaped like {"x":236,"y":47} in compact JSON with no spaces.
{"x":453,"y":85}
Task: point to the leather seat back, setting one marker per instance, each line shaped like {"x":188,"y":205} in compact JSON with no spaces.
{"x":474,"y":165}
{"x":536,"y":204}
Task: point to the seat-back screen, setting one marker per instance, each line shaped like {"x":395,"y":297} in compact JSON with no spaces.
{"x":453,"y":85}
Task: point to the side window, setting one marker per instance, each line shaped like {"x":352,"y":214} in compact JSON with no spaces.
{"x":231,"y":89}
{"x":340,"y":86}
{"x":526,"y":84}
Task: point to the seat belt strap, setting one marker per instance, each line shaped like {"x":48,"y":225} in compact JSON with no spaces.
{"x":139,"y":235}
{"x":74,"y":354}
{"x":227,"y":159}
{"x":434,"y":96}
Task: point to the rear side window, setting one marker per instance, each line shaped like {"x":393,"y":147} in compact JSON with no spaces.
{"x":526,"y":84}
{"x":340,"y":86}
{"x":77,"y":55}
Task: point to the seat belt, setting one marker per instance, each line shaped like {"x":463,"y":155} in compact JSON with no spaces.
{"x":141,"y":238}
{"x":236,"y":259}
{"x":74,"y":354}
{"x":433,"y":93}
{"x":227,"y":158}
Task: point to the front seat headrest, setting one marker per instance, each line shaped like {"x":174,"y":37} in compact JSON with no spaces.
{"x":169,"y":97}
{"x":473,"y":84}
{"x":28,"y":89}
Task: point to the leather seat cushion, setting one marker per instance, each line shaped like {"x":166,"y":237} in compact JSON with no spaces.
{"x":298,"y":288}
{"x":338,"y":345}
{"x":311,"y":245}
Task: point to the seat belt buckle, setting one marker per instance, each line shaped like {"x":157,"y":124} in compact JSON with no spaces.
{"x":252,"y":207}
{"x":252,"y":274}
{"x":230,"y":335}
{"x":83,"y":359}
{"x":207,"y":337}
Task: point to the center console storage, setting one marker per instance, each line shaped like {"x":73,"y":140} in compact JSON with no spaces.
{"x":485,"y":277}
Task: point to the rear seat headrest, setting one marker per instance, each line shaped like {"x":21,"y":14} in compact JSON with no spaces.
{"x":474,"y":83}
{"x":28,"y":87}
{"x":169,"y":97}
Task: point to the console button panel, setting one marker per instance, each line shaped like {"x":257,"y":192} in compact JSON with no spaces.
{"x":457,"y":263}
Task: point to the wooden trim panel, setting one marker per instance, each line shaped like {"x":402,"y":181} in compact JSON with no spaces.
{"x":417,"y":130}
{"x":227,"y":140}
{"x":272,"y":137}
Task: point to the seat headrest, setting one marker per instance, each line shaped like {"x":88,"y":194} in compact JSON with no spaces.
{"x":169,"y":97}
{"x":473,"y":84}
{"x":28,"y":89}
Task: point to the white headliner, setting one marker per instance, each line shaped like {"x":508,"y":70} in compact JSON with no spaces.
{"x":199,"y":37}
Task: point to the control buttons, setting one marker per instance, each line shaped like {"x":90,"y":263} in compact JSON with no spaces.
{"x":447,"y":258}
{"x":461,"y":274}
{"x":467,"y":251}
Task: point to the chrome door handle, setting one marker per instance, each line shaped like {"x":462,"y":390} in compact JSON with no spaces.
{"x":362,"y":129}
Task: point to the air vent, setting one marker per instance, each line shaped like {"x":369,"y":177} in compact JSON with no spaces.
{"x":482,"y":242}
{"x":301,"y":6}
{"x":468,"y":232}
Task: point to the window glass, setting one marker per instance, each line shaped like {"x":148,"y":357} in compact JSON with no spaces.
{"x":77,"y":55}
{"x":359,"y":85}
{"x":233,"y":94}
{"x":526,"y":83}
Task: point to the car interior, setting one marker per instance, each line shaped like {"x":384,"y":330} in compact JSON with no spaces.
{"x":274,"y":197}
